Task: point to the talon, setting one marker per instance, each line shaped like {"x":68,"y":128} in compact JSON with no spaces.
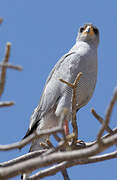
{"x":49,"y":143}
{"x":44,"y":145}
{"x":80,"y":143}
{"x":70,"y":136}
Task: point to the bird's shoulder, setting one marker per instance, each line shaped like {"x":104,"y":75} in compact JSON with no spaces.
{"x":59,"y":63}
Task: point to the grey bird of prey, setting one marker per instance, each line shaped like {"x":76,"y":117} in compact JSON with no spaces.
{"x":56,"y":95}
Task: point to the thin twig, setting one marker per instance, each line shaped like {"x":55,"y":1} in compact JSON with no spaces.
{"x":65,"y":174}
{"x":74,"y":102}
{"x":58,"y":139}
{"x":11,"y":66}
{"x":89,"y":144}
{"x":6,"y":103}
{"x":108,"y":114}
{"x":1,"y":20}
{"x":50,"y":144}
{"x":110,"y":107}
{"x":3,"y":70}
{"x":100,"y":119}
{"x":69,"y":84}
{"x":21,"y":144}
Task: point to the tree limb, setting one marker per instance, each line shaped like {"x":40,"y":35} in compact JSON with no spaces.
{"x":6,"y":103}
{"x":3,"y":71}
{"x":11,"y":66}
{"x":57,"y":157}
{"x":108,"y":114}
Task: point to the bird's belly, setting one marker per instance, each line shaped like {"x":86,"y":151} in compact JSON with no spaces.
{"x":49,"y":121}
{"x":86,"y":88}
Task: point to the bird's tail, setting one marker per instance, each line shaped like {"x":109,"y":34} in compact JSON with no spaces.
{"x":35,"y":146}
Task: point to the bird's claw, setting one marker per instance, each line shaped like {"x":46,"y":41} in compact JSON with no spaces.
{"x":70,"y":137}
{"x":79,"y":144}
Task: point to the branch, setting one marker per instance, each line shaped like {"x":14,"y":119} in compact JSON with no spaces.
{"x":1,"y":20}
{"x":56,"y":168}
{"x":65,"y":174}
{"x":21,"y":144}
{"x":74,"y":87}
{"x":108,"y":114}
{"x":31,"y":164}
{"x":3,"y":71}
{"x":100,"y":119}
{"x":15,"y":67}
{"x":6,"y":103}
{"x":63,"y":171}
{"x":74,"y":102}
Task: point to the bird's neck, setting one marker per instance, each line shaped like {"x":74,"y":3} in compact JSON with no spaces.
{"x":81,"y":45}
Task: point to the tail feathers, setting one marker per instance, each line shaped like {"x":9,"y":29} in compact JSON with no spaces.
{"x":36,"y":144}
{"x":34,"y":147}
{"x":24,"y":176}
{"x":30,"y":131}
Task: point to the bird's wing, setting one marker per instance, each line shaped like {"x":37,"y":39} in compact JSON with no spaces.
{"x":58,"y":64}
{"x":47,"y":101}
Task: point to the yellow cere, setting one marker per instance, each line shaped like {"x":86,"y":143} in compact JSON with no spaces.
{"x":91,"y":32}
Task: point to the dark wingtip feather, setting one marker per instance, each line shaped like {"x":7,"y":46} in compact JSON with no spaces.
{"x":30,"y":131}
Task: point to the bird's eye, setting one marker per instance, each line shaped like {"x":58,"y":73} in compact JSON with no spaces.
{"x":81,"y":29}
{"x":95,"y":30}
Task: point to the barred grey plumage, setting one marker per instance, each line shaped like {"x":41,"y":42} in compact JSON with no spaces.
{"x":57,"y":95}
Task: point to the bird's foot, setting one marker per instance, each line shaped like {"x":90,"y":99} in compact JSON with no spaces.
{"x":47,"y":144}
{"x":44,"y":145}
{"x":73,"y":144}
{"x":70,"y":137}
{"x":79,"y":144}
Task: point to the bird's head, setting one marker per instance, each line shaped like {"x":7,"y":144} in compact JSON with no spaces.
{"x":88,"y":33}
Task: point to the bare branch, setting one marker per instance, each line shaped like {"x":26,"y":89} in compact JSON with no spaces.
{"x":89,"y":144}
{"x":110,"y":107}
{"x":24,"y":157}
{"x":63,"y":171}
{"x":1,"y":20}
{"x":48,"y":172}
{"x":56,"y":168}
{"x":21,"y":144}
{"x":31,"y":164}
{"x":15,"y":67}
{"x":69,"y":84}
{"x":100,"y":119}
{"x":6,"y":103}
{"x":58,"y":139}
{"x":74,"y":102}
{"x":3,"y":71}
{"x":108,"y":114}
{"x":65,"y":174}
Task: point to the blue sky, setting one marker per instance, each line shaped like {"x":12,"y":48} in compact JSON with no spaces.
{"x":41,"y":32}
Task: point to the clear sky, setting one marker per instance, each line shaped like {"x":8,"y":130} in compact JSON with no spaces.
{"x":41,"y":31}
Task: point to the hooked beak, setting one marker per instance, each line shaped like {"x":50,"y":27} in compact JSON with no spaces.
{"x":89,"y":30}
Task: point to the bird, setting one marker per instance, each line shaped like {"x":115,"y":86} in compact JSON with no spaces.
{"x":56,"y":96}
